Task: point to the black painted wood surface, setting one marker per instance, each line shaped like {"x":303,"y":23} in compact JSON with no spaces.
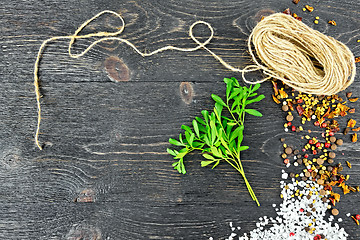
{"x":104,"y":172}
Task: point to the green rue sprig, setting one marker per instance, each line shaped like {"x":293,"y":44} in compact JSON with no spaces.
{"x":219,"y":137}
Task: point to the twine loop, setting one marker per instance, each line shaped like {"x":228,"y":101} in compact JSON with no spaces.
{"x":289,"y":50}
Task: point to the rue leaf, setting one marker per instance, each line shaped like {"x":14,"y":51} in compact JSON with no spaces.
{"x":218,"y":135}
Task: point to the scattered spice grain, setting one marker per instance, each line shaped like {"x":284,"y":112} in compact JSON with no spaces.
{"x":332,"y":22}
{"x":354,"y":137}
{"x":310,"y":9}
{"x":334,"y":211}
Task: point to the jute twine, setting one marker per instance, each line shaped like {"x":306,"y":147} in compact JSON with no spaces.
{"x":289,"y":50}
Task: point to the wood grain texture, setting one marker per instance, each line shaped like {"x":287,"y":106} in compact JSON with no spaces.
{"x":104,"y":172}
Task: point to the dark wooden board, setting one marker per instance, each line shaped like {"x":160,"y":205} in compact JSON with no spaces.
{"x":104,"y":171}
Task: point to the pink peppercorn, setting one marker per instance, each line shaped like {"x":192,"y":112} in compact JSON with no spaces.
{"x":292,"y":234}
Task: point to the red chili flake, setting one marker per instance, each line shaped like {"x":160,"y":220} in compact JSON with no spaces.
{"x":314,"y":152}
{"x":300,"y":110}
{"x":317,"y":123}
{"x":301,"y":210}
{"x":275,"y":99}
{"x":287,"y":11}
{"x":286,"y":161}
{"x":317,"y":237}
{"x":332,"y":200}
{"x":331,"y":133}
{"x":323,"y":134}
{"x":304,"y":150}
{"x":351,"y":123}
{"x":293,"y":128}
{"x":276,"y":90}
{"x":332,"y":22}
{"x":343,"y":113}
{"x":310,"y":170}
{"x":357,"y":216}
{"x":318,"y":144}
{"x":291,"y":106}
{"x":292,"y":234}
{"x":356,"y":129}
{"x":310,"y":9}
{"x":311,"y":141}
{"x":327,"y":145}
{"x":357,"y":221}
{"x":306,"y":155}
{"x":300,"y":100}
{"x":354,"y":137}
{"x":289,"y":124}
{"x":327,"y":113}
{"x":324,"y":125}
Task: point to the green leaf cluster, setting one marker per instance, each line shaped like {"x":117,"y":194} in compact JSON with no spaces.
{"x":218,"y":135}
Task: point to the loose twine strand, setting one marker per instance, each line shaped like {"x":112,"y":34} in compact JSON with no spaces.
{"x":292,"y":52}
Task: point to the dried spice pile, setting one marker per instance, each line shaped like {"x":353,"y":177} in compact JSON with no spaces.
{"x":317,"y":156}
{"x":316,"y":181}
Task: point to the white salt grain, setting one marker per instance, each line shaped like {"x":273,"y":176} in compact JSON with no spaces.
{"x":291,"y":220}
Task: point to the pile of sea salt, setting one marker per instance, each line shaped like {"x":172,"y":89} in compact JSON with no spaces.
{"x":301,"y":216}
